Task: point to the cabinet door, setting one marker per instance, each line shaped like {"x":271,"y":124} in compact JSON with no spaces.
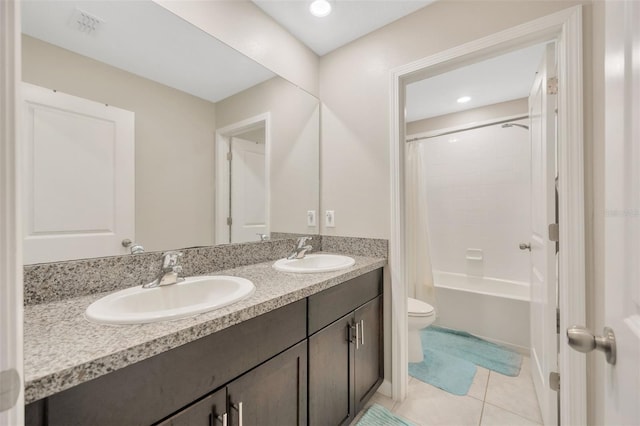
{"x":208,"y":412}
{"x":369,"y":352}
{"x":274,"y":393}
{"x":331,"y":374}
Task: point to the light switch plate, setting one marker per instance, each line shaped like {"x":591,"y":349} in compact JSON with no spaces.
{"x":311,"y":218}
{"x":330,"y":219}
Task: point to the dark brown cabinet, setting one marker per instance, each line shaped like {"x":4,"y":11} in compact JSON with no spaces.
{"x":274,"y":393}
{"x":313,"y":361}
{"x":346,"y":356}
{"x":210,"y":411}
{"x":368,"y":354}
{"x":330,"y":374}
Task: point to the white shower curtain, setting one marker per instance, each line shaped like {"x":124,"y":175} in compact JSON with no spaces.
{"x":419,"y":271}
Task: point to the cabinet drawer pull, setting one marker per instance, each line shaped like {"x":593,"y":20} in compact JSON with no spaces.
{"x":362,"y":332}
{"x":238,"y":408}
{"x":223,"y":419}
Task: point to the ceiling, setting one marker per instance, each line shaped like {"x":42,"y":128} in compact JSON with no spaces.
{"x":499,"y":79}
{"x":145,"y":39}
{"x":349,"y":19}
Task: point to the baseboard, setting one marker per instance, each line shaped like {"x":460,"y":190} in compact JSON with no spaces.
{"x":522,"y":350}
{"x":385,"y":388}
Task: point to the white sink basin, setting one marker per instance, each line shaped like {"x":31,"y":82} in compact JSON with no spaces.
{"x":313,"y":263}
{"x":192,"y":296}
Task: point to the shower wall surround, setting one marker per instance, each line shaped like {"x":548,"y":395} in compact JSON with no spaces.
{"x":49,"y":282}
{"x":478,"y":193}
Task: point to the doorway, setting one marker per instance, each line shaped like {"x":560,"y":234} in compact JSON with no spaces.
{"x":563,"y":28}
{"x":242,"y":181}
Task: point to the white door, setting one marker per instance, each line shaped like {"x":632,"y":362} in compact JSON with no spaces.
{"x":544,"y":348}
{"x":248,"y":190}
{"x":622,"y":211}
{"x":78,"y":177}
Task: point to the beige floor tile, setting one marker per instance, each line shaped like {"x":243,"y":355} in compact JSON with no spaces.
{"x":479,"y":386}
{"x":495,"y":416}
{"x":514,"y":394}
{"x":427,"y":405}
{"x":380,"y":399}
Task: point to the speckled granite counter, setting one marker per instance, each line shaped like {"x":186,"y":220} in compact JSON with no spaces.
{"x":62,"y":349}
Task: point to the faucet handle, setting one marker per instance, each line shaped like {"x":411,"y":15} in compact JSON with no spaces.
{"x":303,"y":240}
{"x":170,"y":258}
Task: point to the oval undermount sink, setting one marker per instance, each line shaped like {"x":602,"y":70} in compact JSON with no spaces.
{"x":192,"y":296}
{"x":313,"y":263}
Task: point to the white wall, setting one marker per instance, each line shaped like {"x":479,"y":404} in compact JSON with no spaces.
{"x":354,"y":85}
{"x":473,"y":115}
{"x":354,"y":89}
{"x":245,"y":27}
{"x":478,"y":196}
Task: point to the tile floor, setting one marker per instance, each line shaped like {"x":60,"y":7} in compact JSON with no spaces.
{"x":493,"y":399}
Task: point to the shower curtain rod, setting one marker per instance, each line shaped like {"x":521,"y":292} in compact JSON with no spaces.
{"x":450,"y":132}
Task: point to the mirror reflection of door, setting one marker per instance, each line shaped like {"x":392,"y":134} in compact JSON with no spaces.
{"x":247,"y":187}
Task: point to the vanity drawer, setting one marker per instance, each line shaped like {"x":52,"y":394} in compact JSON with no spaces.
{"x":333,"y":303}
{"x":150,"y":390}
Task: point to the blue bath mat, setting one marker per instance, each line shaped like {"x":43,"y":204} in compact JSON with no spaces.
{"x":451,"y":356}
{"x":444,"y":371}
{"x":377,"y":415}
{"x":465,"y":346}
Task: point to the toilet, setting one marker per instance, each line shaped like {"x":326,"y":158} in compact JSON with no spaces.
{"x":421,"y":315}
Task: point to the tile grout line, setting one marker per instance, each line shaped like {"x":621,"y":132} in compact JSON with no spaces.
{"x":484,"y":398}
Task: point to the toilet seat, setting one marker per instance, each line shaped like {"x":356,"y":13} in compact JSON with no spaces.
{"x":418,"y":308}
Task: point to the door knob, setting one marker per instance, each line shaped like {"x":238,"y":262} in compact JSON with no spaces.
{"x":582,"y":340}
{"x":525,"y":246}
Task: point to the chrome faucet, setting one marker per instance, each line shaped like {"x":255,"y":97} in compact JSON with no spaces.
{"x":301,"y":249}
{"x":169,"y":271}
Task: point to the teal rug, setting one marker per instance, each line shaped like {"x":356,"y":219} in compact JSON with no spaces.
{"x":451,"y":357}
{"x":377,"y":415}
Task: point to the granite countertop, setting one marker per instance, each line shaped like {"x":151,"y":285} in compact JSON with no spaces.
{"x":62,"y":349}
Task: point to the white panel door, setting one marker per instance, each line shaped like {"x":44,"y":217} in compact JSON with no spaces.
{"x":78,"y":175}
{"x":248,"y":191}
{"x":544,"y":348}
{"x":622,"y":211}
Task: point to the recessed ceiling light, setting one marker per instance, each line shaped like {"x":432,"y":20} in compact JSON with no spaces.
{"x":320,"y":8}
{"x":464,"y":99}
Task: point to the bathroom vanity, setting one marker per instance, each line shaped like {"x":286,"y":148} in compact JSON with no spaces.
{"x":304,"y":349}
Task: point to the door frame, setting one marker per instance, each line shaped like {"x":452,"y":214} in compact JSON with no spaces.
{"x":565,"y":27}
{"x":10,"y":223}
{"x":221,"y":180}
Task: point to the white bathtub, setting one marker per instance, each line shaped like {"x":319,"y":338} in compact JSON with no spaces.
{"x":496,"y":310}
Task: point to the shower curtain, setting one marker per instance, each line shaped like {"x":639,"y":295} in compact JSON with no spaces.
{"x":419,"y":271}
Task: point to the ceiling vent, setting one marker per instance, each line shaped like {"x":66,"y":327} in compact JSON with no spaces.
{"x":85,"y":22}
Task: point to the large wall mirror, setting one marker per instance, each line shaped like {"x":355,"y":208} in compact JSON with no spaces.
{"x":213,"y":147}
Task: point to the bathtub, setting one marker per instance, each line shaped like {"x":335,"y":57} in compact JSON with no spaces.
{"x":493,"y":309}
